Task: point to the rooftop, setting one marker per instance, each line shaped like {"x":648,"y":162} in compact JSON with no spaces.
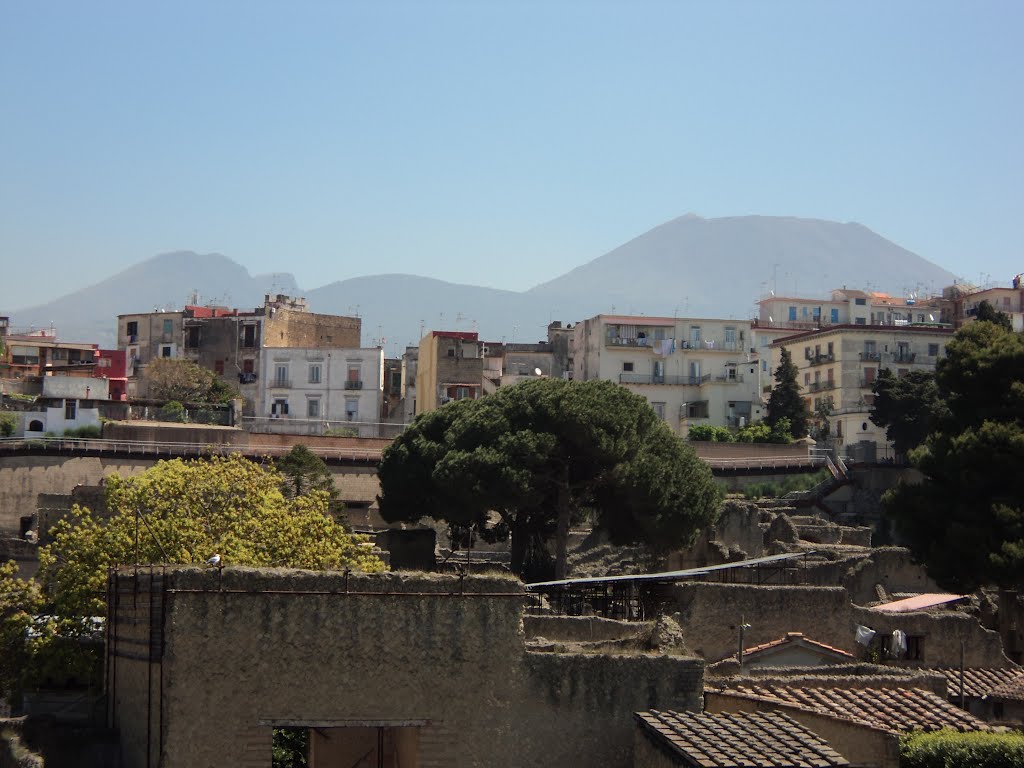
{"x":797,"y":638}
{"x":978,"y":681}
{"x":892,"y":709}
{"x":743,"y":739}
{"x":918,"y":602}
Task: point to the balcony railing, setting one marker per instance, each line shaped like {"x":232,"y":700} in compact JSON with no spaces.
{"x":281,"y":384}
{"x":734,"y":379}
{"x":353,"y":384}
{"x":903,"y":357}
{"x":821,"y":386}
{"x":867,"y":383}
{"x":822,"y":358}
{"x":642,"y":378}
{"x":870,"y":357}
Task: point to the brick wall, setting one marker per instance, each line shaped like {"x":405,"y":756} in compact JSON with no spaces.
{"x":288,"y":328}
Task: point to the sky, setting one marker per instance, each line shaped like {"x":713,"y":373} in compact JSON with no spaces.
{"x":494,"y":143}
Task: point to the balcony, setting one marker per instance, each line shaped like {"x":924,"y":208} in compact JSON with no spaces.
{"x":867,"y":383}
{"x":821,"y":386}
{"x":247,"y":378}
{"x":353,"y":384}
{"x":281,"y":384}
{"x":641,"y":378}
{"x":870,"y":357}
{"x":736,"y":378}
{"x":822,"y":358}
{"x":903,"y":357}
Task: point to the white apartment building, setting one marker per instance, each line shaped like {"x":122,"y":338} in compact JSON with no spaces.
{"x":843,"y":361}
{"x":691,"y":370}
{"x":847,"y":307}
{"x":320,"y":391}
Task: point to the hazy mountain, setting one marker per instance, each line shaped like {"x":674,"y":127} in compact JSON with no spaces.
{"x":720,"y":267}
{"x":166,"y":281}
{"x":687,"y":266}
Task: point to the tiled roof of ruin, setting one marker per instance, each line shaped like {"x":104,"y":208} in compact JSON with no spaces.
{"x":894,"y":709}
{"x":800,"y":639}
{"x":743,"y":739}
{"x":978,"y":681}
{"x":1011,"y":690}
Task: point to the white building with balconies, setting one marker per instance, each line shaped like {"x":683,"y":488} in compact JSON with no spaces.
{"x":319,"y":391}
{"x":691,"y":370}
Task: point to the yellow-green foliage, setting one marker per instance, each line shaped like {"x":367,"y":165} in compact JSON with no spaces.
{"x":952,"y":749}
{"x":190,"y":510}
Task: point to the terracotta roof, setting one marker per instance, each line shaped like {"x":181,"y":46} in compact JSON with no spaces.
{"x":744,"y":739}
{"x":1011,"y":690}
{"x":894,"y":709}
{"x":978,"y":681}
{"x":799,"y":639}
{"x":918,"y":602}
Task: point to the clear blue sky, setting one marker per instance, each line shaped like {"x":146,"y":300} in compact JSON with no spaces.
{"x":495,"y":143}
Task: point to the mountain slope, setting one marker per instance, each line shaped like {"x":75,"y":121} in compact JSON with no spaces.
{"x":719,"y":267}
{"x":165,"y":281}
{"x":688,"y":266}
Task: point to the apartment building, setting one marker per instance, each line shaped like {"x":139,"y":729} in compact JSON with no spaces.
{"x":31,"y":354}
{"x":848,"y":307}
{"x":841,"y":362}
{"x":317,"y":390}
{"x":966,"y":299}
{"x":229,"y":341}
{"x":450,"y":366}
{"x":691,"y":370}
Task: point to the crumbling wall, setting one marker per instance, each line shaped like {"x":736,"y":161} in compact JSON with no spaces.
{"x":246,"y":649}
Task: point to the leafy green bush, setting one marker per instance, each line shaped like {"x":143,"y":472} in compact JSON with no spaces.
{"x":952,"y":749}
{"x":341,"y":432}
{"x":769,"y":490}
{"x":89,"y":431}
{"x":174,"y":411}
{"x":754,"y":433}
{"x":710,"y":434}
{"x":8,"y":423}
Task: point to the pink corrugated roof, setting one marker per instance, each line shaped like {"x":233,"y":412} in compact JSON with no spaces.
{"x":919,"y":602}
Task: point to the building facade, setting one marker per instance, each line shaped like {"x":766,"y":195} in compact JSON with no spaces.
{"x":841,"y":363}
{"x":692,"y":371}
{"x":320,"y":391}
{"x":450,"y":367}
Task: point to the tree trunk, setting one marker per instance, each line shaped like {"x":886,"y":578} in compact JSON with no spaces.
{"x":562,"y":531}
{"x":520,"y":542}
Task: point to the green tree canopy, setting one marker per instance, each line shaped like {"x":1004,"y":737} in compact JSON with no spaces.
{"x":541,"y":453}
{"x":907,"y":407}
{"x":184,"y":381}
{"x":785,"y":401}
{"x":303,"y":471}
{"x":965,"y":521}
{"x":188,"y":511}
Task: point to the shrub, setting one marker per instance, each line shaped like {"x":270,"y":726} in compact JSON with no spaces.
{"x":952,"y":749}
{"x":88,"y":431}
{"x":8,"y":423}
{"x":709,"y":433}
{"x":174,"y":411}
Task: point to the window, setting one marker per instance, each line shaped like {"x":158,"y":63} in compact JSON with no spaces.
{"x":249,"y":335}
{"x":807,"y":379}
{"x":218,"y":367}
{"x":168,"y":325}
{"x":860,"y":321}
{"x":694,"y":335}
{"x":351,"y":408}
{"x":803,"y":312}
{"x":451,"y":351}
{"x":834,"y":317}
{"x":792,"y":313}
{"x":764,"y":366}
{"x":248,"y":366}
{"x":915,"y":648}
{"x":166,"y":350}
{"x":314,"y":373}
{"x":933,"y":350}
{"x":658,"y":372}
{"x":697,"y":410}
{"x":313,"y":408}
{"x":659,"y":410}
{"x":35,"y":426}
{"x":627,"y":367}
{"x":730,"y":338}
{"x":279,"y":408}
{"x":281,"y":376}
{"x":860,"y":302}
{"x":192,"y":337}
{"x":133,"y":328}
{"x":70,"y":410}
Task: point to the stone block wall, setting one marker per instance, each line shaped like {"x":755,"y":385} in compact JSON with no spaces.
{"x":244,"y":650}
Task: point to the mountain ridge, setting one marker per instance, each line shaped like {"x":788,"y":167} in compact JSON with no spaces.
{"x":689,"y":266}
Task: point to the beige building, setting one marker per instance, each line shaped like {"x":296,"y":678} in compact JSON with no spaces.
{"x":842,"y":362}
{"x":691,"y":370}
{"x":450,"y":367}
{"x":848,"y":307}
